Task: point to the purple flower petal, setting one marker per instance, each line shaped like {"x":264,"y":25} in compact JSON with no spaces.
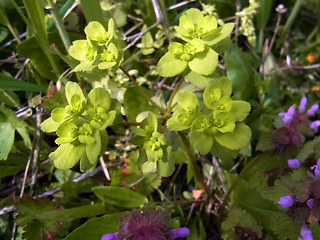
{"x":316,"y":169}
{"x":180,"y":232}
{"x":111,"y":236}
{"x":303,"y":103}
{"x":286,"y":201}
{"x":293,"y":163}
{"x":315,"y":125}
{"x":306,"y":233}
{"x":312,"y":110}
{"x":287,"y":116}
{"x":310,"y":203}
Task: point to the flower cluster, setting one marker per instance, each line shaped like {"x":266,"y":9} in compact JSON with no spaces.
{"x":221,"y":121}
{"x":147,"y":225}
{"x":246,"y":18}
{"x":195,"y":57}
{"x":81,"y":126}
{"x":155,"y":150}
{"x":101,"y":49}
{"x":305,"y":199}
{"x":295,"y":124}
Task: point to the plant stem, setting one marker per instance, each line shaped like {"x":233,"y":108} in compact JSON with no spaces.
{"x":61,"y":29}
{"x":187,"y":146}
{"x":142,"y":92}
{"x":175,"y":90}
{"x":13,"y":32}
{"x":128,"y":123}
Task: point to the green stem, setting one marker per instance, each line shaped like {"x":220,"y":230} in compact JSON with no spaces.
{"x":199,"y":177}
{"x":133,"y":56}
{"x":14,"y":33}
{"x":175,"y":90}
{"x":61,"y":29}
{"x":62,"y":12}
{"x":293,"y":14}
{"x":142,"y":92}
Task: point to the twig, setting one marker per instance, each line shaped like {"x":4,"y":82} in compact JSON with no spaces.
{"x":238,"y":7}
{"x":36,"y":150}
{"x":295,"y":67}
{"x":52,"y":191}
{"x":105,"y":169}
{"x":180,"y":4}
{"x":199,"y":177}
{"x":139,"y":35}
{"x":173,"y":94}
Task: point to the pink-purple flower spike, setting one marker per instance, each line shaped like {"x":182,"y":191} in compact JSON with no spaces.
{"x":147,"y":225}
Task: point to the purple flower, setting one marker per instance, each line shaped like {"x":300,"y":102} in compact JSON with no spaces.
{"x":312,"y":110}
{"x":293,"y":163}
{"x":315,"y":125}
{"x":147,"y":225}
{"x":181,"y":232}
{"x":286,"y":201}
{"x":316,"y":169}
{"x":303,"y":103}
{"x":287,"y":116}
{"x":310,"y":203}
{"x":305,"y":233}
{"x":111,"y":236}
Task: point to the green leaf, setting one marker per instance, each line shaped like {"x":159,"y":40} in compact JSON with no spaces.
{"x":96,"y":32}
{"x":219,"y":34}
{"x":67,"y":155}
{"x":13,"y":84}
{"x":152,"y":121}
{"x":200,"y":140}
{"x":263,"y":13}
{"x":3,"y":16}
{"x":72,"y":89}
{"x":6,"y":139}
{"x":197,"y":79}
{"x":250,"y":200}
{"x":79,"y":50}
{"x":239,"y":217}
{"x":96,"y":228}
{"x":240,"y":109}
{"x":239,"y":138}
{"x":211,"y":95}
{"x":205,"y":62}
{"x":9,"y":98}
{"x":239,"y":72}
{"x":25,"y":136}
{"x":3,"y":32}
{"x":100,"y":97}
{"x":92,"y":11}
{"x":135,"y":103}
{"x":49,"y":125}
{"x":169,"y":65}
{"x":93,"y":150}
{"x":266,"y":142}
{"x":283,"y":226}
{"x":166,"y":167}
{"x":308,"y":149}
{"x":120,"y":197}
